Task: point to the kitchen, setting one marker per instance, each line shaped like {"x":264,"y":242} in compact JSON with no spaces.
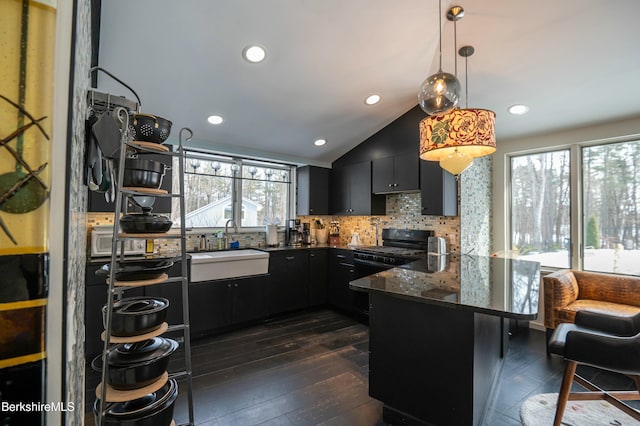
{"x":479,"y":224}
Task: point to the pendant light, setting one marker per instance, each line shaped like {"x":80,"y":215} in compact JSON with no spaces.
{"x":457,"y":137}
{"x":439,"y":92}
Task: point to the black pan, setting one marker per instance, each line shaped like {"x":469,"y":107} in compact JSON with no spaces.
{"x":154,"y":409}
{"x":128,"y":271}
{"x":132,"y":316}
{"x":145,"y":223}
{"x":143,"y":173}
{"x":135,"y":365}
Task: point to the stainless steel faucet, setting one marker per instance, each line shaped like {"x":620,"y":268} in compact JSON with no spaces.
{"x":226,"y":232}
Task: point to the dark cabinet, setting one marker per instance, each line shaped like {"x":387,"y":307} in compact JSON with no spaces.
{"x":312,"y":191}
{"x":341,"y":271}
{"x":398,"y":173}
{"x":217,"y":304}
{"x":351,"y":191}
{"x":439,"y":190}
{"x":318,"y":276}
{"x":209,"y":306}
{"x":288,"y":287}
{"x":98,"y":203}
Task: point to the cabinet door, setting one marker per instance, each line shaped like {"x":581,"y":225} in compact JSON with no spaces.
{"x":341,"y":271}
{"x":406,"y":171}
{"x":249,"y":299}
{"x":340,"y":191}
{"x":439,"y":190}
{"x":360,"y":190}
{"x":312,"y":190}
{"x":382,"y":179}
{"x":318,"y":276}
{"x":209,"y":306}
{"x":288,"y":281}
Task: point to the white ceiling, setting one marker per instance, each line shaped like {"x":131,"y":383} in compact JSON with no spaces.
{"x":574,"y":62}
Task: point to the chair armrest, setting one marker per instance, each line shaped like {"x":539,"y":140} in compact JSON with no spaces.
{"x":620,"y":326}
{"x":620,"y":354}
{"x":560,"y":289}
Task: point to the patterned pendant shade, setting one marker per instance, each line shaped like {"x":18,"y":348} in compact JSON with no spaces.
{"x":469,"y":132}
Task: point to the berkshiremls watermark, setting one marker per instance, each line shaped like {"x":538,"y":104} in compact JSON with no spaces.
{"x":28,"y":407}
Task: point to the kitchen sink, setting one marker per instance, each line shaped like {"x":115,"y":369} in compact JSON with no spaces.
{"x":217,"y":265}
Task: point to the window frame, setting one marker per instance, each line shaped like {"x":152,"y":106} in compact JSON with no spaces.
{"x":576,"y":185}
{"x":236,"y":184}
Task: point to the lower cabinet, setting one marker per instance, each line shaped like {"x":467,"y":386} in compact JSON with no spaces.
{"x":318,"y":276}
{"x":218,"y":304}
{"x":288,"y":281}
{"x":341,"y":271}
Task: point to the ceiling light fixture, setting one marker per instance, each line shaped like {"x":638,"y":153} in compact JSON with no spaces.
{"x":215,"y":119}
{"x":457,"y":137}
{"x":372,"y":100}
{"x":254,"y":53}
{"x":518,"y":109}
{"x":440,"y":92}
{"x":320,"y":142}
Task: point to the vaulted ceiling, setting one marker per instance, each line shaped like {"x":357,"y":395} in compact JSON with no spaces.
{"x":573,"y":62}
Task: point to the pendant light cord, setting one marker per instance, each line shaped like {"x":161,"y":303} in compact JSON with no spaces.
{"x":440,"y":32}
{"x":466,"y":81}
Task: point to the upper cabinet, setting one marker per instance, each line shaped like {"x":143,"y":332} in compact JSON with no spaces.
{"x":312,"y":191}
{"x":351,"y":192}
{"x":398,"y":173}
{"x":439,"y":190}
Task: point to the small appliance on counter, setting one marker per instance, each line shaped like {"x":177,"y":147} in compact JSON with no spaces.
{"x":436,"y":245}
{"x":293,"y":235}
{"x":334,"y":233}
{"x":306,"y":233}
{"x":102,"y":237}
{"x":355,"y":240}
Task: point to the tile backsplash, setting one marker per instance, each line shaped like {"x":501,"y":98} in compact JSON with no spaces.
{"x":403,"y":211}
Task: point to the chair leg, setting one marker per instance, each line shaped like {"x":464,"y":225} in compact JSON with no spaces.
{"x":549,"y":333}
{"x":565,"y":388}
{"x":636,"y":379}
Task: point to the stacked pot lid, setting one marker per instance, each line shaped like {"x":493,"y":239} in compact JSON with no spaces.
{"x":138,"y":270}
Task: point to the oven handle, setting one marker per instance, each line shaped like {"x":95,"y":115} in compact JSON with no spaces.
{"x":372,"y":263}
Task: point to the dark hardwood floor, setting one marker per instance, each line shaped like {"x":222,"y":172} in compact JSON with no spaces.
{"x":311,"y":369}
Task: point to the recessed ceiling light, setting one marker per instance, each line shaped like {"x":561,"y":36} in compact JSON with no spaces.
{"x":320,"y":142}
{"x":372,"y":100}
{"x":254,"y":54}
{"x":518,"y":109}
{"x":215,"y":119}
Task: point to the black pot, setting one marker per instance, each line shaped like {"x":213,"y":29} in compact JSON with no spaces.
{"x":149,"y":128}
{"x":145,"y":223}
{"x":134,"y":365}
{"x":138,"y":271}
{"x":143,"y":173}
{"x":132,"y":316}
{"x":154,"y":409}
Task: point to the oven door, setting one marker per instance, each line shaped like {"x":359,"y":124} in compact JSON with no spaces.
{"x":365,"y":267}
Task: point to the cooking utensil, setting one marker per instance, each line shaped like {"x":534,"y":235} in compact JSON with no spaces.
{"x":135,"y":365}
{"x":153,"y":409}
{"x":134,"y":272}
{"x":143,"y":173}
{"x":107,"y":133}
{"x":150,"y":128}
{"x":145,"y":223}
{"x":136,"y":315}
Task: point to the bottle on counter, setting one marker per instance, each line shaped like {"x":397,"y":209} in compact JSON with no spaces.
{"x":203,"y":242}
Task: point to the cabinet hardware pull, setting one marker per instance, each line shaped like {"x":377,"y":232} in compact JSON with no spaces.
{"x":290,"y":257}
{"x":340,"y":256}
{"x":390,"y":185}
{"x":228,"y":285}
{"x":236,"y":285}
{"x":311,"y":255}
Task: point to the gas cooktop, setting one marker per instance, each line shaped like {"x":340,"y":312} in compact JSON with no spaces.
{"x":391,"y":251}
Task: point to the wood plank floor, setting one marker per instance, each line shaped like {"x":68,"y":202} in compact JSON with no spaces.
{"x":311,"y":369}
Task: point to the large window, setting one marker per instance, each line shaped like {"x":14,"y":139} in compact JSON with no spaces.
{"x":607,"y":182}
{"x":540,"y":196}
{"x":217,"y":189}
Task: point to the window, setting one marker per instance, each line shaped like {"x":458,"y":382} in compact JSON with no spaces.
{"x":611,"y":206}
{"x":540,"y":196}
{"x":221,"y":188}
{"x":608,"y":184}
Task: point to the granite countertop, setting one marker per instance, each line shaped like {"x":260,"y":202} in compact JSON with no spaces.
{"x":503,"y":287}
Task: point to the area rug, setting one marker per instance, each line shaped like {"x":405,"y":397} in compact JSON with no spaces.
{"x":539,"y":410}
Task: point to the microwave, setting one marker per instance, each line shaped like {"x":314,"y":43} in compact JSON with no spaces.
{"x":102,"y":237}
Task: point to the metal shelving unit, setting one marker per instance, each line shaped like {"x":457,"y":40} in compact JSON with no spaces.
{"x":116,"y":289}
